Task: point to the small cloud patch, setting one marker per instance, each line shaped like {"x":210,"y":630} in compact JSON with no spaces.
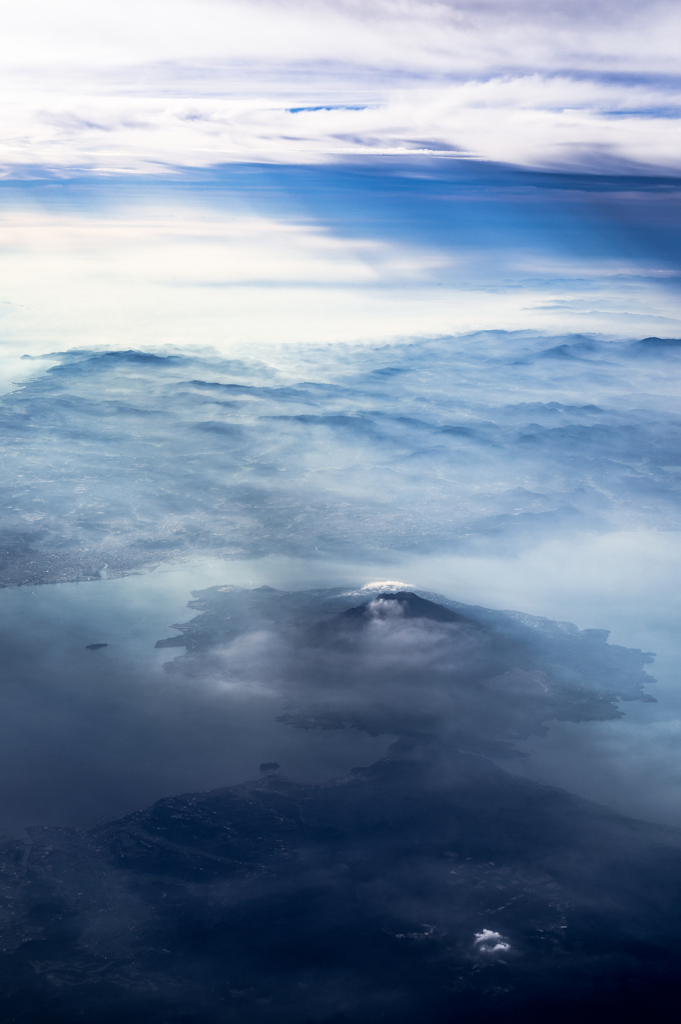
{"x":491,"y":942}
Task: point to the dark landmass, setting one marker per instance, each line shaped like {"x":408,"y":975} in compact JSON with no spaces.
{"x":94,"y":647}
{"x":431,"y":886}
{"x":173,"y":641}
{"x":410,"y":606}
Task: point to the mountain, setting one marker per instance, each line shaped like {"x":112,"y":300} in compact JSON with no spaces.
{"x":403,"y":603}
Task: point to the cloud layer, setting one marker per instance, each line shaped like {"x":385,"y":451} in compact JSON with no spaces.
{"x":143,"y":86}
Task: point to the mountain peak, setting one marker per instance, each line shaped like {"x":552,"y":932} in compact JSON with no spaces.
{"x":404,"y":603}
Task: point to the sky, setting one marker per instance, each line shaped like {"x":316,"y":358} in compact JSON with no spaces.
{"x":226,"y":174}
{"x":147,"y":86}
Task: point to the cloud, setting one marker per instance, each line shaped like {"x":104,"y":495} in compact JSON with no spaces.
{"x":488,"y":942}
{"x":213,"y":251}
{"x":556,"y":86}
{"x":416,"y":35}
{"x":533,"y":120}
{"x":195,"y":268}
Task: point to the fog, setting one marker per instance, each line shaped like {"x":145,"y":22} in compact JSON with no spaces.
{"x":490,"y":443}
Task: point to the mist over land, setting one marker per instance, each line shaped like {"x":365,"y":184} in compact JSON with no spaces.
{"x":492,"y":442}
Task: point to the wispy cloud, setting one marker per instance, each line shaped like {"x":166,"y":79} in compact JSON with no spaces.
{"x":274,"y":255}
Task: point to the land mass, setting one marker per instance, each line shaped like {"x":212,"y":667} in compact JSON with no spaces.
{"x":429,"y":886}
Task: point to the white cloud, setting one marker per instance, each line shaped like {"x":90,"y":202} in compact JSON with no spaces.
{"x":533,"y":119}
{"x":417,"y":35}
{"x":123,"y":87}
{"x":385,"y":585}
{"x":195,"y":247}
{"x":488,"y":941}
{"x":199,"y":275}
